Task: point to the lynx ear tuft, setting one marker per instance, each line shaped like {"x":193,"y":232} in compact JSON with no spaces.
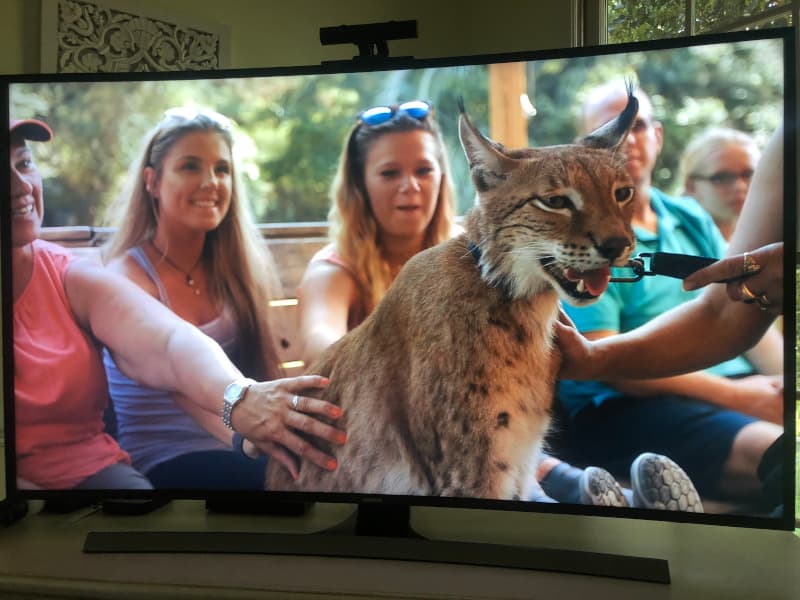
{"x":487,"y":164}
{"x":612,"y":134}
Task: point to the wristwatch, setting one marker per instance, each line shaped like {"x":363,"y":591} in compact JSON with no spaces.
{"x":232,"y":395}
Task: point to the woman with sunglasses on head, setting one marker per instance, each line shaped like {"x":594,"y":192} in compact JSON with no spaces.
{"x":716,"y":168}
{"x":186,"y":238}
{"x":392,"y":197}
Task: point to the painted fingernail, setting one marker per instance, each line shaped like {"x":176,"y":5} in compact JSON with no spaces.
{"x":336,"y":411}
{"x":341,"y":438}
{"x":331,"y":464}
{"x":325,"y":381}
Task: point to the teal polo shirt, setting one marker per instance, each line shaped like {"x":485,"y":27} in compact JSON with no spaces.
{"x":684,"y":227}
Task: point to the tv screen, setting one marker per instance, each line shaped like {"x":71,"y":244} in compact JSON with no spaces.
{"x":289,"y":128}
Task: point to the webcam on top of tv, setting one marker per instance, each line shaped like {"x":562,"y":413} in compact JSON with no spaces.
{"x":370,"y":38}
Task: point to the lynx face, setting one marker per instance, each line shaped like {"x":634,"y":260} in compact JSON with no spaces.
{"x":555,"y":216}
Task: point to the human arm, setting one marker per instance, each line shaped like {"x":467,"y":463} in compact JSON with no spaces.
{"x":213,"y":424}
{"x":758,"y":395}
{"x":667,"y":345}
{"x":325,"y":298}
{"x":158,"y":349}
{"x":768,"y":354}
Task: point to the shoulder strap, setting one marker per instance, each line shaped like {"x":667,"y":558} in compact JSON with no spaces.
{"x":138,"y":254}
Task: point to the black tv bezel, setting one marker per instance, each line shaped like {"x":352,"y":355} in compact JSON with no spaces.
{"x":785,"y":522}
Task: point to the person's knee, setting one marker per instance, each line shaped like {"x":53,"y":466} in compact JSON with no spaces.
{"x":752,"y":442}
{"x":740,"y":473}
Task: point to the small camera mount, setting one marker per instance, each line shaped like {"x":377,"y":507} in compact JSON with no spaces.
{"x":371,"y":39}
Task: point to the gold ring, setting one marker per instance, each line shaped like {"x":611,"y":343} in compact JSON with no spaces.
{"x":747,"y":293}
{"x":749,"y":264}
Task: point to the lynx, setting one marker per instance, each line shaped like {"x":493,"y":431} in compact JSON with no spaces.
{"x":447,"y":386}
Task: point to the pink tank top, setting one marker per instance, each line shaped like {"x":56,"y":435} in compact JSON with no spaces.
{"x":329,"y":254}
{"x":60,"y":385}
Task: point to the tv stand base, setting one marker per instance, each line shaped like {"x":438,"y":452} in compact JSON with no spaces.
{"x":397,"y":548}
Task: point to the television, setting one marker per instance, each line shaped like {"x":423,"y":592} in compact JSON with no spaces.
{"x":290,"y":123}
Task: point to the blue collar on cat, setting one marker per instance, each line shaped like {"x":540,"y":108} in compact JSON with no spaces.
{"x":502,"y":284}
{"x":475,"y":251}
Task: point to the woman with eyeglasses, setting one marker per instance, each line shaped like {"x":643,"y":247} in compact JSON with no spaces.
{"x":716,"y":169}
{"x":186,"y":238}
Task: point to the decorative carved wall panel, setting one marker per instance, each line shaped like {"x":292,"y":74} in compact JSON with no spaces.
{"x":113,"y":36}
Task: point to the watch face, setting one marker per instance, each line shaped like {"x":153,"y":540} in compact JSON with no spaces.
{"x":233,"y":392}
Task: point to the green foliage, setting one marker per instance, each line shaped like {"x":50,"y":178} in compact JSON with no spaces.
{"x":290,"y":130}
{"x":638,"y":20}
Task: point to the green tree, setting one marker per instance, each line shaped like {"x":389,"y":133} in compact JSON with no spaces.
{"x":640,"y":20}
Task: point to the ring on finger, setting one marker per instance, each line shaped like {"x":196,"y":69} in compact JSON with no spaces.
{"x":747,"y":293}
{"x":763,"y":301}
{"x":749,"y":264}
{"x":295,"y":402}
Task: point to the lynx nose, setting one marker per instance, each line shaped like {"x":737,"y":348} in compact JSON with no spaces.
{"x":612,"y":248}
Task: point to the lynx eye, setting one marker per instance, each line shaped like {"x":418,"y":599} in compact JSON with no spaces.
{"x":557,"y":202}
{"x":623,"y":194}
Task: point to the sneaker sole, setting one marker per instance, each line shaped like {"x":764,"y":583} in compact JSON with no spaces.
{"x":599,"y":488}
{"x":659,"y":483}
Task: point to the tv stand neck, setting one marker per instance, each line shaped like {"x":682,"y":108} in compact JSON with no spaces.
{"x":378,"y":520}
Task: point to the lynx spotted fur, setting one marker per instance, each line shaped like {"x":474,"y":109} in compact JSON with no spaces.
{"x":447,"y":386}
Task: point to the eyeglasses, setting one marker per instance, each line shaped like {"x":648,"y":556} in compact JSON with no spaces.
{"x":640,"y":125}
{"x":187,"y":113}
{"x":418,"y":109}
{"x":726,"y":178}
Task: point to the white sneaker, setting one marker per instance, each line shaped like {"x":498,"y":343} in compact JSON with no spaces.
{"x":659,"y":483}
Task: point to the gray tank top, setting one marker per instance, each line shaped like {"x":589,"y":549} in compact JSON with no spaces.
{"x":151,"y":426}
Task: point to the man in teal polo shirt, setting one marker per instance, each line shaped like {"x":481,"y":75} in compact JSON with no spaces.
{"x":697,"y":419}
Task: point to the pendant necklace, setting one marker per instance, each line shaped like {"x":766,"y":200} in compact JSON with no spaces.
{"x":187,"y":274}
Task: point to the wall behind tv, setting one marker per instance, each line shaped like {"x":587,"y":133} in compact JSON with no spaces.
{"x":267,"y":33}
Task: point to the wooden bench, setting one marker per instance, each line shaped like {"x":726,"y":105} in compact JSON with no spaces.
{"x":292,"y":247}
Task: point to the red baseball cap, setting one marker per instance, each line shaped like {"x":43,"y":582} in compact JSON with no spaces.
{"x":31,"y":129}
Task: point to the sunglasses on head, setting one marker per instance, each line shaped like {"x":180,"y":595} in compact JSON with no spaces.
{"x":418,"y":109}
{"x":186,"y":113}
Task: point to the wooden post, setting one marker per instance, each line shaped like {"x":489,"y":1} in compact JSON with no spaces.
{"x":507,"y":123}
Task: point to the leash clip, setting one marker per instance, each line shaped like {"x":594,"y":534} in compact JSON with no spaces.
{"x":679,"y":266}
{"x":637,"y":266}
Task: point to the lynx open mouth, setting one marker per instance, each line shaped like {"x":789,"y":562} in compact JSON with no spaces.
{"x":581,"y":285}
